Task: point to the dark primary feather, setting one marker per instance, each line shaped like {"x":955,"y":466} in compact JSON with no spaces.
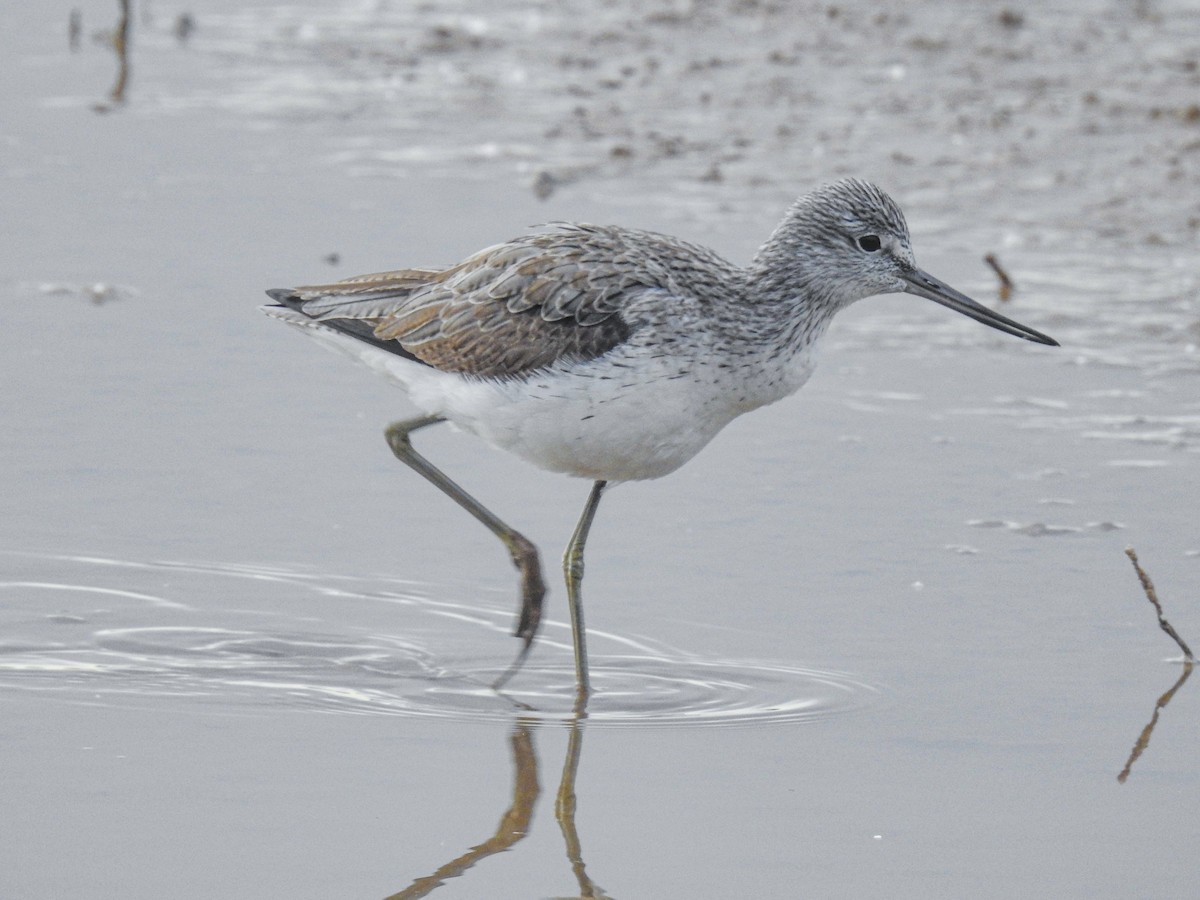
{"x":355,"y":328}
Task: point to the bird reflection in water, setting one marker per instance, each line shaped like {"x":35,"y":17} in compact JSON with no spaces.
{"x":515,"y":823}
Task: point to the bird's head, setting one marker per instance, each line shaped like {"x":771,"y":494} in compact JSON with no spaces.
{"x":848,"y":240}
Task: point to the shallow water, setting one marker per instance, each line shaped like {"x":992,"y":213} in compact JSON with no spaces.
{"x":220,"y":634}
{"x":243,"y":653}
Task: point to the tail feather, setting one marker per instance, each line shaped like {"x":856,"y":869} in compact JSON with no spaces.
{"x":285,"y":297}
{"x":359,"y":329}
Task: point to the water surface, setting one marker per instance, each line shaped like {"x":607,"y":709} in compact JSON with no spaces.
{"x":879,"y":639}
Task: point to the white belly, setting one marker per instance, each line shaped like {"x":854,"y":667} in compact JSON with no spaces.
{"x":616,"y":418}
{"x":587,"y":422}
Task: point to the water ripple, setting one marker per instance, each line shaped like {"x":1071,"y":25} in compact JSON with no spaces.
{"x":96,"y":630}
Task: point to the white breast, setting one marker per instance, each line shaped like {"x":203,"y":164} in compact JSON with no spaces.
{"x":626,"y":416}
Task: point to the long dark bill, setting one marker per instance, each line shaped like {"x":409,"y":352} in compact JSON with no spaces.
{"x":925,"y":285}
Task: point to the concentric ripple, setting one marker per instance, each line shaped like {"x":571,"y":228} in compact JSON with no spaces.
{"x":677,"y":690}
{"x":99,"y":630}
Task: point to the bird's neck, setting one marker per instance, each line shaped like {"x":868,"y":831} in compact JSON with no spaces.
{"x":785,"y":287}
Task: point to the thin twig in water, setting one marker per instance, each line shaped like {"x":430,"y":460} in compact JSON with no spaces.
{"x":1143,"y":740}
{"x":1006,"y":283}
{"x":1152,"y":596}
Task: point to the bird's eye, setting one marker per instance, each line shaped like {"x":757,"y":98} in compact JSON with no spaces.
{"x":869,"y":242}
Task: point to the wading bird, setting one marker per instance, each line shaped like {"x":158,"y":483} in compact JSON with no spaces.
{"x":614,"y":354}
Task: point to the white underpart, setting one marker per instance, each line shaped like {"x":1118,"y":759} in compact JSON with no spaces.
{"x":625,"y":416}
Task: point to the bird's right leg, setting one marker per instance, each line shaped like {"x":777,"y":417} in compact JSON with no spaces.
{"x":573,"y":570}
{"x":524,"y":553}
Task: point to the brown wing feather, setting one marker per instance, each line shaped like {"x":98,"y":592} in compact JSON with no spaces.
{"x":513,"y":308}
{"x":518,"y":306}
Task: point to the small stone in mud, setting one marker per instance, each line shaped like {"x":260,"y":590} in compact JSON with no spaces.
{"x":544,"y":185}
{"x":184,"y":26}
{"x":1010,"y":18}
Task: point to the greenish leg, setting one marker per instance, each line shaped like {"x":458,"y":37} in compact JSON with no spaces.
{"x":573,"y":570}
{"x":524,"y":554}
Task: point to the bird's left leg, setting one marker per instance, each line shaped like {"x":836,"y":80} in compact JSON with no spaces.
{"x":524,"y":554}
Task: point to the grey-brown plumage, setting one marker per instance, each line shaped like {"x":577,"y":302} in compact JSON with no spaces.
{"x":519,"y":306}
{"x":562,"y":294}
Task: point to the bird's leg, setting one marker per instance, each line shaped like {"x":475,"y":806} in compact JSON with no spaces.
{"x":524,"y":553}
{"x":573,"y":570}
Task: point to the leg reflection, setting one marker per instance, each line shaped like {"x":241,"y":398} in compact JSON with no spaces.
{"x":564,"y":811}
{"x":514,"y":824}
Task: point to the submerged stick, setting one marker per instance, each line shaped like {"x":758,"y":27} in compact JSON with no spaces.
{"x":1143,"y":740}
{"x":1152,"y":596}
{"x":1006,"y":283}
{"x":121,"y":46}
